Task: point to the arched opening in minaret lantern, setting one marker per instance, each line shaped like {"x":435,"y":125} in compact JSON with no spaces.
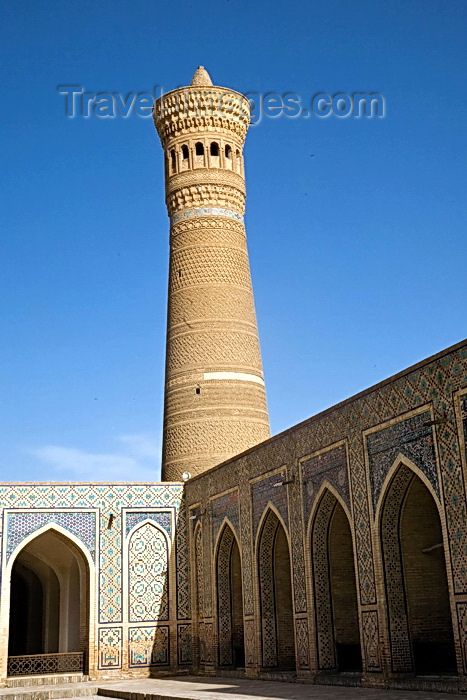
{"x":185,"y":164}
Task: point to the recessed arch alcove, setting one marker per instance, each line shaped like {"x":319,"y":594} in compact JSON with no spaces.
{"x":334,"y":587}
{"x":229,"y":600}
{"x":275,"y":587}
{"x":416,"y":586}
{"x":49,"y":598}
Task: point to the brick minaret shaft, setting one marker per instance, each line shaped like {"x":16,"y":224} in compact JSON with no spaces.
{"x":215,"y":402}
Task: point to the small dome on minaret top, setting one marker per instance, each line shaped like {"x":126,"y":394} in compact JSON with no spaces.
{"x":201,"y":78}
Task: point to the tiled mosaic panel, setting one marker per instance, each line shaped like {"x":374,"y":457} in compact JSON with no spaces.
{"x":302,"y":643}
{"x":148,"y":575}
{"x":462,"y":618}
{"x":225,"y":506}
{"x":370,"y":630}
{"x":264,"y":491}
{"x":321,"y":582}
{"x":393,"y":572}
{"x":110,"y":647}
{"x":267,"y":593}
{"x":207,"y":566}
{"x":411,"y":438}
{"x":183,"y":573}
{"x":185,"y":644}
{"x":328,"y":466}
{"x":245,"y":540}
{"x":81,"y":525}
{"x":453,"y":487}
{"x":148,"y":646}
{"x":163,"y":519}
{"x":199,"y":566}
{"x":109,"y":499}
{"x":250,"y":653}
{"x":205,"y":211}
{"x":224,"y":597}
{"x":205,"y":632}
{"x":296,"y":539}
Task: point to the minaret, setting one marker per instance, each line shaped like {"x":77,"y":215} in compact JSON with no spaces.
{"x":215,"y":402}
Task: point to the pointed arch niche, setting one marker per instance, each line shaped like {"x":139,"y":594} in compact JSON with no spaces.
{"x":334,"y":584}
{"x":49,"y":599}
{"x":417,"y":596}
{"x":275,"y":588}
{"x":229,"y":600}
{"x":148,"y":579}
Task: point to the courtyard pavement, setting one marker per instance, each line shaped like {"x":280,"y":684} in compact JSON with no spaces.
{"x":203,"y":688}
{"x":196,"y":688}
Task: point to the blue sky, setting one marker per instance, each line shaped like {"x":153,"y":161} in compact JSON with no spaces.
{"x":356,"y":227}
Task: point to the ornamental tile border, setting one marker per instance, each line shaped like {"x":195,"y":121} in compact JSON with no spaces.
{"x":205,"y":211}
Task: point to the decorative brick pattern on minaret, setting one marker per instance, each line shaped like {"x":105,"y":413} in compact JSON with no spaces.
{"x":215,"y":403}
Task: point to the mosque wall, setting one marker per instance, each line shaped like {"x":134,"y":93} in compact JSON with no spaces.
{"x":371,"y":498}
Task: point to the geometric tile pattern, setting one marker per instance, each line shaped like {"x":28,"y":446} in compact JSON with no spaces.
{"x":250,"y":655}
{"x":205,"y":211}
{"x":370,"y":629}
{"x":182,"y":571}
{"x":82,"y":525}
{"x":148,"y":575}
{"x":462,"y":618}
{"x":296,"y":539}
{"x":207,"y":563}
{"x":148,"y":646}
{"x":163,"y":519}
{"x":263,"y":491}
{"x":110,"y":647}
{"x":225,"y":506}
{"x":330,"y":466}
{"x":185,"y":644}
{"x":411,"y":438}
{"x":302,"y":643}
{"x":267,"y":590}
{"x":205,"y":633}
{"x":246,"y":548}
{"x":199,"y":570}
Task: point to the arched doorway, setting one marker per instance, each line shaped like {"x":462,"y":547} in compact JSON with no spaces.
{"x":49,"y":607}
{"x":334,"y":584}
{"x":230,"y":601}
{"x":419,"y":616}
{"x":277,"y":617}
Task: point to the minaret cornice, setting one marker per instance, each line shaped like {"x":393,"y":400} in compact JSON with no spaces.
{"x":197,"y":109}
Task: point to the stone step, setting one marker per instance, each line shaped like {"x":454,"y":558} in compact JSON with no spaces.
{"x":52,"y":679}
{"x":49,"y":692}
